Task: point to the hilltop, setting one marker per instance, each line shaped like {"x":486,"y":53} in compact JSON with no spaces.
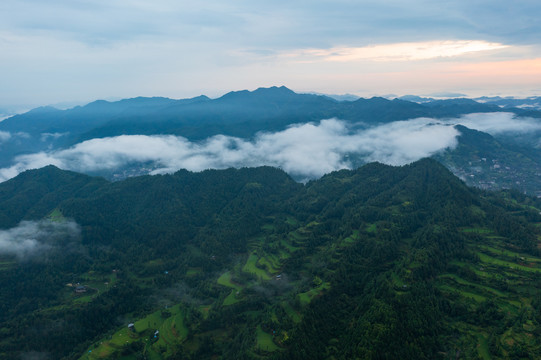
{"x":378,"y":262}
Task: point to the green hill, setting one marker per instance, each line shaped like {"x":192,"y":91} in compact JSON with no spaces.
{"x":378,"y":263}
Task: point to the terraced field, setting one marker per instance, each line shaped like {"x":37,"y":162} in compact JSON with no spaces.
{"x":495,"y":285}
{"x":171,"y":328}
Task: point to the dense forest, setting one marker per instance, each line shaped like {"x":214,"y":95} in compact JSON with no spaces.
{"x":376,"y":263}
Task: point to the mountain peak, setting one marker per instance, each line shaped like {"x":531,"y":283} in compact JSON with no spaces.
{"x":43,"y":110}
{"x":274,"y":90}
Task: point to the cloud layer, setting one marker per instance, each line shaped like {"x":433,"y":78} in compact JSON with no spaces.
{"x":499,"y":123}
{"x":305,"y":151}
{"x":35,"y":238}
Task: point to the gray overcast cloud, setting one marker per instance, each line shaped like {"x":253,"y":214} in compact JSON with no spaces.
{"x":277,"y":24}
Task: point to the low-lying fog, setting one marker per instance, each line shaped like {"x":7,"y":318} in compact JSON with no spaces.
{"x":305,"y":151}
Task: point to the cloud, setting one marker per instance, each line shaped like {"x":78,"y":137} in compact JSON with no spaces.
{"x":403,"y":142}
{"x":53,"y":136}
{"x":4,"y":136}
{"x":273,"y":24}
{"x":304,"y":150}
{"x":498,"y":123}
{"x":32,"y":239}
{"x":407,"y":51}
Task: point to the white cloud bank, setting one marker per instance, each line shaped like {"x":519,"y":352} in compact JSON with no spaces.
{"x":304,"y":150}
{"x":499,"y":123}
{"x":34,"y":238}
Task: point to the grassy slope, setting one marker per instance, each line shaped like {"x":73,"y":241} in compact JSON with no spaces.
{"x":172,"y":332}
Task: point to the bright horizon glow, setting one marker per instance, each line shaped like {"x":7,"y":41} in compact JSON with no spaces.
{"x":410,"y":51}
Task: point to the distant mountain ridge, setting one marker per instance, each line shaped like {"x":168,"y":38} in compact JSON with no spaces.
{"x":529,"y":103}
{"x":201,"y":117}
{"x":242,"y":114}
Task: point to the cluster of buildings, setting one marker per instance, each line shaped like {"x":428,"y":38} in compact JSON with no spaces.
{"x":494,"y":174}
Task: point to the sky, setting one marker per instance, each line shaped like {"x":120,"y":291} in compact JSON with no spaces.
{"x":64,"y":51}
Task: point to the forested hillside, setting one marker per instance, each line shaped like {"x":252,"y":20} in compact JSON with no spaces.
{"x":379,"y":263}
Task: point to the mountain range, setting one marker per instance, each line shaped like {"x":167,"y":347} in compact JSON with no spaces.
{"x":529,"y":103}
{"x":42,"y":135}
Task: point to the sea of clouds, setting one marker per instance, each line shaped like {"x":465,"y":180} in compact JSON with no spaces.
{"x":305,"y":151}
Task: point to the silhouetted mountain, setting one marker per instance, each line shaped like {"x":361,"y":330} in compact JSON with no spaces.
{"x":341,"y":97}
{"x":381,"y":110}
{"x":240,"y":113}
{"x":452,"y":107}
{"x":533,"y":103}
{"x":84,"y":118}
{"x":415,"y":98}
